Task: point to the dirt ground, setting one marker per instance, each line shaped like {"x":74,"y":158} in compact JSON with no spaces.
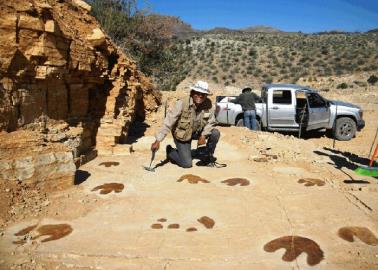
{"x":281,"y":203}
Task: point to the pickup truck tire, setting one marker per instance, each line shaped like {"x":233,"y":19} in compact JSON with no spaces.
{"x":345,"y":129}
{"x":240,"y":123}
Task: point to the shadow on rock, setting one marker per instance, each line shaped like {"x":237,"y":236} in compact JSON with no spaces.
{"x":136,"y":131}
{"x":349,"y":156}
{"x":356,"y":182}
{"x":81,"y":176}
{"x":338,"y":158}
{"x":342,"y":160}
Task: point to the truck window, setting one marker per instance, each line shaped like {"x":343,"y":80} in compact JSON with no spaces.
{"x":282,"y":96}
{"x":316,"y":101}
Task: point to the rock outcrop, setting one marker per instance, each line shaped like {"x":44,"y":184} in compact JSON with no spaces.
{"x":26,"y":157}
{"x":60,"y":75}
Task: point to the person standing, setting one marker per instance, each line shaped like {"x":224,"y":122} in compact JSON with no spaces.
{"x":192,"y":118}
{"x":247,"y":101}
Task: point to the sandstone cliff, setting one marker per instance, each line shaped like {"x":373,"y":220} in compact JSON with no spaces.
{"x":61,"y":77}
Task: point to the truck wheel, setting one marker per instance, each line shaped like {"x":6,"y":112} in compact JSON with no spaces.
{"x":240,"y":122}
{"x":345,"y":129}
{"x":258,"y":125}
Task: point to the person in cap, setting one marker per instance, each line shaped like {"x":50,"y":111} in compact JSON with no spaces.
{"x":247,"y":101}
{"x":191,"y":118}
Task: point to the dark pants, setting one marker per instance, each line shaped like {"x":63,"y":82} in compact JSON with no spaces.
{"x":182,"y":156}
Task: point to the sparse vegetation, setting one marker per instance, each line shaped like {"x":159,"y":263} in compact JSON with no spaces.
{"x":372,"y":79}
{"x":170,"y":57}
{"x":342,"y":86}
{"x":285,"y":57}
{"x":147,"y":38}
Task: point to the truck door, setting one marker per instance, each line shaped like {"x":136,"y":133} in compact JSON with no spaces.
{"x":301,"y":108}
{"x":281,"y":110}
{"x":319,"y":111}
{"x":227,"y":111}
{"x":222,"y":111}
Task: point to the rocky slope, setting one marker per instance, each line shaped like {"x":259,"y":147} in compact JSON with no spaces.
{"x":239,"y":58}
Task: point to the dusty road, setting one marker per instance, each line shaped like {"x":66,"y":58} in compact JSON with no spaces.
{"x":281,"y":203}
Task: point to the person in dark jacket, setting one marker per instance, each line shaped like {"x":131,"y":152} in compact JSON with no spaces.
{"x":247,"y":101}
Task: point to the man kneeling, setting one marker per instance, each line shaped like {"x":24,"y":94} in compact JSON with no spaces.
{"x":192,"y":118}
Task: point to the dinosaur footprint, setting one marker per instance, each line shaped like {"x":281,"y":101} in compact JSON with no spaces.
{"x":236,"y":181}
{"x":109,"y":163}
{"x":294,"y":246}
{"x":309,"y":182}
{"x":192,"y":179}
{"x":160,"y":225}
{"x":54,"y":231}
{"x":109,"y":187}
{"x":362,"y":233}
{"x":205,"y":221}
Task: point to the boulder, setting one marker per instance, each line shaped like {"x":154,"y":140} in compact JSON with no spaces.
{"x":96,"y":38}
{"x":82,"y":4}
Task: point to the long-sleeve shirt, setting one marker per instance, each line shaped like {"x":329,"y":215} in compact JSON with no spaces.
{"x":246,"y":100}
{"x":174,"y":114}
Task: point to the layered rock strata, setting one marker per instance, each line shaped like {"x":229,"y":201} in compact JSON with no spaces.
{"x":62,"y":77}
{"x":26,"y":157}
{"x":58,"y":63}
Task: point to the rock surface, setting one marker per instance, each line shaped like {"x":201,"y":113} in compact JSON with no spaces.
{"x":58,"y":67}
{"x":244,"y":216}
{"x":26,"y":157}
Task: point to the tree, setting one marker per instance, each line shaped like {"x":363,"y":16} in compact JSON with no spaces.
{"x":119,"y":18}
{"x":147,"y":38}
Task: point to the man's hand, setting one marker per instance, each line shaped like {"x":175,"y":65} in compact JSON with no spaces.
{"x":155,"y":146}
{"x":201,"y":140}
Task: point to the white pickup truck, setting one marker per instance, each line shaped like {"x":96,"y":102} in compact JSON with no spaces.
{"x":290,"y":107}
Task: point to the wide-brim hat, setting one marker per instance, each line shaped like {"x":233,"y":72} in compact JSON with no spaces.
{"x":246,"y":89}
{"x":201,"y":87}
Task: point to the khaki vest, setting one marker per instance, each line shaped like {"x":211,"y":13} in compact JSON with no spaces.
{"x":184,"y":128}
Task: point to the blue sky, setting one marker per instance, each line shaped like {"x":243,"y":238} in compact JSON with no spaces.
{"x":292,"y":15}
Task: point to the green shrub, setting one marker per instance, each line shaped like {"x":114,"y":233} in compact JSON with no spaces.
{"x":268,"y":79}
{"x":342,"y":86}
{"x":372,"y":79}
{"x":252,"y":52}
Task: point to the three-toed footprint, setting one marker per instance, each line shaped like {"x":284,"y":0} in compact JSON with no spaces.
{"x":207,"y":222}
{"x":195,"y":179}
{"x":362,"y":233}
{"x":54,"y":231}
{"x":294,"y":246}
{"x":309,"y":182}
{"x":109,"y":163}
{"x":192,"y":179}
{"x":109,"y":187}
{"x":236,"y":181}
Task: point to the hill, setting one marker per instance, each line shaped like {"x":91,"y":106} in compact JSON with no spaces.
{"x":171,"y":51}
{"x":261,"y":29}
{"x":231,"y":58}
